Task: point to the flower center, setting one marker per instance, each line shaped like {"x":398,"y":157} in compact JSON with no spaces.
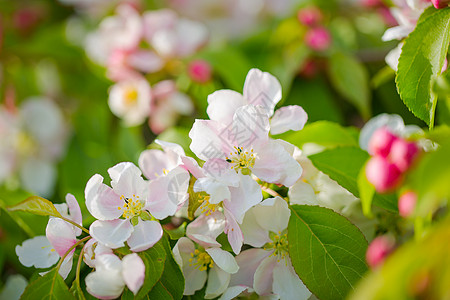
{"x":132,"y":207}
{"x":201,"y":259}
{"x":130,"y":96}
{"x":279,"y":244}
{"x":206,"y":207}
{"x":242,"y":160}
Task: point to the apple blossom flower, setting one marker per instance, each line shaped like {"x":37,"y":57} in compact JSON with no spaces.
{"x":318,"y":38}
{"x":267,"y":269}
{"x":168,"y":105}
{"x":199,"y":71}
{"x":111,"y":275}
{"x":378,"y":250}
{"x":245,"y":146}
{"x":128,"y":198}
{"x":37,"y":252}
{"x":131,"y":100}
{"x":33,"y":140}
{"x":407,"y":203}
{"x":93,"y":249}
{"x":206,"y":260}
{"x":122,"y":31}
{"x":172,"y":36}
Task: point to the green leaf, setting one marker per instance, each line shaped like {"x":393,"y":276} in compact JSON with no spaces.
{"x":350,"y":78}
{"x":154,"y":260}
{"x":422,"y":58}
{"x":38,"y":206}
{"x":171,"y":283}
{"x":343,"y":165}
{"x":324,"y":133}
{"x":77,"y":291}
{"x":231,"y":65}
{"x":327,"y":251}
{"x":366,"y":192}
{"x":50,"y":286}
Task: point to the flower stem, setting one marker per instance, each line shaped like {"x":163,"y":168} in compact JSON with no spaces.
{"x":70,"y":250}
{"x":75,"y":224}
{"x":270,"y":191}
{"x":77,"y":276}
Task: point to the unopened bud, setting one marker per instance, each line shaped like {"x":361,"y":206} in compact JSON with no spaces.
{"x":378,"y":250}
{"x":407,"y":203}
{"x":318,"y":39}
{"x":440,"y":3}
{"x":381,"y":142}
{"x":200,"y":71}
{"x":385,"y":176}
{"x":309,"y":16}
{"x":403,"y":154}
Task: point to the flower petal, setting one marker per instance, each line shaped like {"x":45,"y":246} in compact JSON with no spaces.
{"x":234,"y":232}
{"x":112,"y":233}
{"x":222,"y":105}
{"x":247,"y":195}
{"x":286,"y":282}
{"x":262,"y":88}
{"x":292,"y":117}
{"x":275,"y":165}
{"x":133,"y":272}
{"x":101,"y":201}
{"x":302,"y":193}
{"x":152,"y":163}
{"x":254,"y":234}
{"x":66,"y":265}
{"x":106,"y":281}
{"x":37,"y":252}
{"x":195,"y":279}
{"x":217,"y":190}
{"x":145,"y":235}
{"x":218,"y":281}
{"x":263,"y":279}
{"x":248,"y":261}
{"x":273,"y":214}
{"x":206,"y":140}
{"x":75,"y":212}
{"x":168,"y":193}
{"x":223,"y":259}
{"x":233,"y":292}
{"x":205,"y":229}
{"x":127,"y":181}
{"x":61,"y":235}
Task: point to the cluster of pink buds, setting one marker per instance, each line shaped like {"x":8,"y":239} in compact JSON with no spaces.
{"x":392,"y":156}
{"x":440,"y":3}
{"x":317,"y":37}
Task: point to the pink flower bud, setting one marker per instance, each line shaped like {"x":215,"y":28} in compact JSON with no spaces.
{"x":318,"y":39}
{"x":378,"y":250}
{"x":384,"y":175}
{"x":440,"y":3}
{"x":407,"y":203}
{"x":381,"y":141}
{"x":403,"y":153}
{"x":309,"y":16}
{"x":445,"y":66}
{"x":200,"y":71}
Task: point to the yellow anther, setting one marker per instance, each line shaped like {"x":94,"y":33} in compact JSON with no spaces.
{"x":241,"y":160}
{"x":201,"y":260}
